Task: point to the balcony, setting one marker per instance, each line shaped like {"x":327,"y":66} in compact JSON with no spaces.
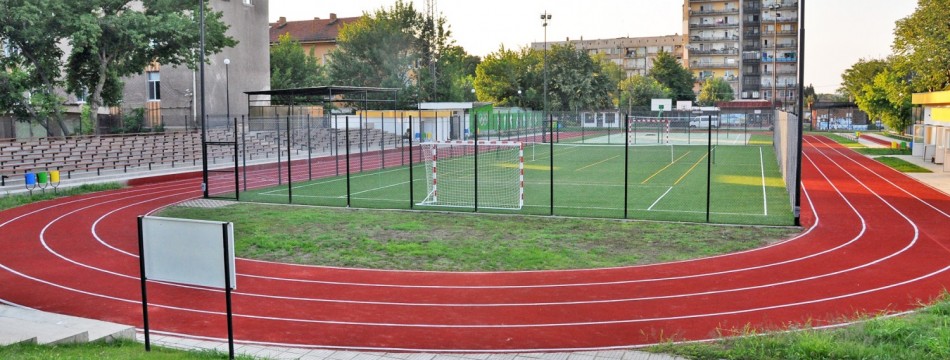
{"x":766,"y":58}
{"x":752,"y":57}
{"x":781,"y":46}
{"x":714,"y":12}
{"x":711,"y":65}
{"x":780,"y":33}
{"x":781,"y":72}
{"x":782,"y":85}
{"x":716,"y":25}
{"x":727,"y":51}
{"x":708,"y":38}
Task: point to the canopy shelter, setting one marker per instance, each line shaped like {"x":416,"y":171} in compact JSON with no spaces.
{"x":320,"y":96}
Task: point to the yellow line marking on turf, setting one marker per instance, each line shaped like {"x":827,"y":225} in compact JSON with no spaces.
{"x":691,"y":169}
{"x":664,"y":168}
{"x":597,"y":163}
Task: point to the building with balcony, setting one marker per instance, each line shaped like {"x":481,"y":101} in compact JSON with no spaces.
{"x":635,"y":55}
{"x":752,"y":44}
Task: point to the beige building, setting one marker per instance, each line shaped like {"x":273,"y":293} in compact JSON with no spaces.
{"x":635,"y":55}
{"x":317,"y":35}
{"x":753,"y":44}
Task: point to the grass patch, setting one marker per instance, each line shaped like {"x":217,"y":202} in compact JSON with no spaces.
{"x":922,"y":335}
{"x":118,"y":350}
{"x":882,"y":151}
{"x":12,"y":201}
{"x":862,"y":149}
{"x":405,"y":240}
{"x":901,"y":165}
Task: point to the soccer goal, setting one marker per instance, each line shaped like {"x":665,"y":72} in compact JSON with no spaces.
{"x":470,"y":174}
{"x":650,"y":131}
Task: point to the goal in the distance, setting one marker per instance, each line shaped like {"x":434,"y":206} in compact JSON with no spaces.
{"x":452,"y":179}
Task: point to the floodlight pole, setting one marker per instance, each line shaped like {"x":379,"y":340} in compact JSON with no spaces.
{"x":201,"y":71}
{"x":544,"y":23}
{"x":801,"y":115}
{"x":775,"y":17}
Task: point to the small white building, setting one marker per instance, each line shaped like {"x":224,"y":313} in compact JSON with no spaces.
{"x":932,"y":132}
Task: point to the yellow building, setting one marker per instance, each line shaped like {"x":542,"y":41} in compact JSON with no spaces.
{"x":932,"y":131}
{"x":317,"y":35}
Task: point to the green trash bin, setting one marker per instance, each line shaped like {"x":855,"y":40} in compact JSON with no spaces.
{"x":903,"y":145}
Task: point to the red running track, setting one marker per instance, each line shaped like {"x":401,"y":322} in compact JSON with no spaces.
{"x":875,"y":242}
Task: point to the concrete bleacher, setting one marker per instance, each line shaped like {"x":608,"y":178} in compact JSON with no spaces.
{"x":112,"y":155}
{"x":20,"y":325}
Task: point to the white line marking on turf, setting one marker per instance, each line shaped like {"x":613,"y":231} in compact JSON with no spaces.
{"x":765,"y":198}
{"x":659,"y":198}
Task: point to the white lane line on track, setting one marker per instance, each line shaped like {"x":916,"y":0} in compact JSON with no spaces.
{"x":495,"y":326}
{"x":825,"y":141}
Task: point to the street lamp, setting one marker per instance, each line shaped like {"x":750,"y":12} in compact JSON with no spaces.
{"x":544,"y":23}
{"x":520,"y":100}
{"x":227,"y":89}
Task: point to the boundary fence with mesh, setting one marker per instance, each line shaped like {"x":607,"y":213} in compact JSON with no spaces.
{"x":572,"y":164}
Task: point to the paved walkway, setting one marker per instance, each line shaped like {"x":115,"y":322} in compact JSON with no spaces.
{"x":276,"y":352}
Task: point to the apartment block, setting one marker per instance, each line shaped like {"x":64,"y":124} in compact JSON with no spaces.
{"x":634,"y":54}
{"x":752,"y":44}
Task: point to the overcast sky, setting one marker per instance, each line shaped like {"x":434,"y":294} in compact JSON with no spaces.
{"x":839,"y":32}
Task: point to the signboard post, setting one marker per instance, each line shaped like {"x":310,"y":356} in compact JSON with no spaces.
{"x":187,"y":252}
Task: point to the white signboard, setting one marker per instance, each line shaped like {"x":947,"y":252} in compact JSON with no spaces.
{"x":187,"y":251}
{"x":661,"y":104}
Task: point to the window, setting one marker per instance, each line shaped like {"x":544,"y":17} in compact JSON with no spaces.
{"x":248,"y":3}
{"x":154,"y":85}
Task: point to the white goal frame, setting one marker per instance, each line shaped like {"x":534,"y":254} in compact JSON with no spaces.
{"x":651,"y":120}
{"x":431,"y":155}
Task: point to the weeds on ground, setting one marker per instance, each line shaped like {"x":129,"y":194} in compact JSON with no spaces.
{"x":922,"y":335}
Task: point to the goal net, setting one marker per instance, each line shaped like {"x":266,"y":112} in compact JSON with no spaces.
{"x":654,"y":133}
{"x":470,"y":174}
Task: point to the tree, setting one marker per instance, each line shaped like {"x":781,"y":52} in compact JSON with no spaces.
{"x":577,"y":81}
{"x":674,"y":76}
{"x":715,"y":90}
{"x":379,"y":50}
{"x":859,"y":75}
{"x":291,"y":68}
{"x":30,"y":74}
{"x":888,"y":98}
{"x":502,"y":73}
{"x":639,"y":90}
{"x":810,"y":96}
{"x":922,"y":45}
{"x":457,"y":76}
{"x":112,"y":39}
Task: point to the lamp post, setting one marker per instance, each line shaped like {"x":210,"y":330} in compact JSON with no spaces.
{"x":204,"y":126}
{"x":775,"y":17}
{"x":520,"y":100}
{"x":227,"y":89}
{"x":544,"y":23}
